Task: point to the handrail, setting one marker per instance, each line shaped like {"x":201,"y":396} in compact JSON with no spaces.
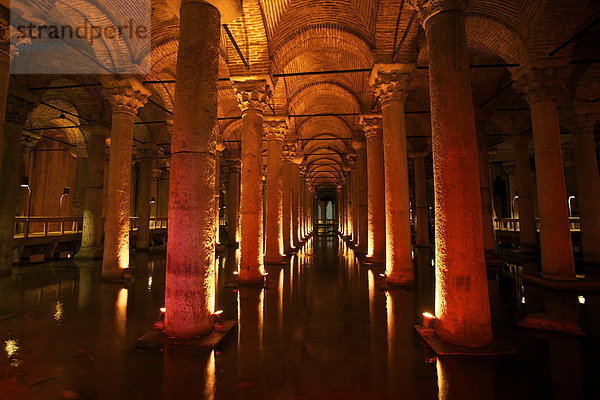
{"x":514,"y":225}
{"x":39,"y":227}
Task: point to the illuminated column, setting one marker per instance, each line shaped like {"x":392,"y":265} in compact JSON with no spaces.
{"x":489,"y":234}
{"x":91,"y":237}
{"x":147,"y":153}
{"x":462,"y":301}
{"x":16,"y":113}
{"x":126,"y":97}
{"x":218,"y":151}
{"x":190,"y":284}
{"x":351,"y":159}
{"x":289,"y":153}
{"x":390,"y":82}
{"x":302,"y":202}
{"x":588,"y":185}
{"x":528,"y":234}
{"x":372,"y":126}
{"x":253,"y":96}
{"x":537,"y":83}
{"x":81,"y":174}
{"x":358,"y":144}
{"x":296,"y":197}
{"x":275,"y":130}
{"x":421,"y":205}
{"x":233,"y":204}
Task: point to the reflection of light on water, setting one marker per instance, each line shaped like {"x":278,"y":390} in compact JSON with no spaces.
{"x":58,"y":311}
{"x":209,"y":390}
{"x":121,"y":310}
{"x":149,"y":284}
{"x":581,"y":299}
{"x":11,"y":347}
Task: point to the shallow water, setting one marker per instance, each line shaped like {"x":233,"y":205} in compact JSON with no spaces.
{"x":321,"y":330}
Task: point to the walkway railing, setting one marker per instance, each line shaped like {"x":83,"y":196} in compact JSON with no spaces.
{"x":513,"y":224}
{"x":39,"y":227}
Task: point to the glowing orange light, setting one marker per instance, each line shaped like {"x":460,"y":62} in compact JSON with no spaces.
{"x":428,"y":315}
{"x":218,"y":312}
{"x":163,"y":310}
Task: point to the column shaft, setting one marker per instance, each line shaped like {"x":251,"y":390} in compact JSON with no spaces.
{"x":190,"y":282}
{"x":287,"y":193}
{"x":296,"y":232}
{"x":528,"y":231}
{"x":462,"y":302}
{"x":233,"y":205}
{"x":363,"y":204}
{"x":144,"y":195}
{"x":588,"y":188}
{"x":376,"y":194}
{"x":421,"y":204}
{"x":91,"y":237}
{"x":274,"y":193}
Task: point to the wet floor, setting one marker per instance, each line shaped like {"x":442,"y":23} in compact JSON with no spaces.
{"x":321,"y":330}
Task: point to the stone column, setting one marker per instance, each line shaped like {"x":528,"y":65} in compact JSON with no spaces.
{"x":302,"y":202}
{"x":588,"y":186}
{"x":421,"y":204}
{"x":91,"y":237}
{"x":509,"y":168}
{"x":219,"y":150}
{"x":4,"y":72}
{"x":462,"y":301}
{"x":126,"y":97}
{"x":148,"y":153}
{"x":81,"y":176}
{"x":17,"y":110}
{"x":391,"y":82}
{"x":233,"y":204}
{"x":372,"y":125}
{"x":537,"y":83}
{"x":528,"y":231}
{"x":289,"y":153}
{"x":252,"y":95}
{"x":489,"y":234}
{"x":358,"y":144}
{"x":296,"y":196}
{"x":275,"y":130}
{"x":190,"y":281}
{"x":351,"y":159}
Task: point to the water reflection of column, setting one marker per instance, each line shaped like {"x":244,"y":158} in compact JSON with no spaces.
{"x":463,"y":378}
{"x":401,"y":352}
{"x":250,"y":332}
{"x":188,"y":373}
{"x":377,"y":328}
{"x":88,"y":271}
{"x":274,"y":305}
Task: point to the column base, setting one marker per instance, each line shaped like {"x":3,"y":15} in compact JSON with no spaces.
{"x":115,"y":276}
{"x":495,"y":348}
{"x":398,"y":282}
{"x":89,"y":253}
{"x":259,"y":281}
{"x":372,"y":261}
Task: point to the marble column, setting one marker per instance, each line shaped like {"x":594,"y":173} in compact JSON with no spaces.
{"x":421,"y":204}
{"x":462,"y":301}
{"x":588,"y":186}
{"x":352,"y":161}
{"x":289,"y":150}
{"x":91,"y":237}
{"x":372,"y":125}
{"x":4,"y":73}
{"x":358,"y":144}
{"x":275,"y":130}
{"x":528,"y":231}
{"x":391,"y":82}
{"x":147,"y":153}
{"x":509,"y":167}
{"x":296,"y":196}
{"x":489,"y":234}
{"x":541,"y":89}
{"x":17,"y":110}
{"x":233,"y":203}
{"x":81,"y":175}
{"x":253,"y":96}
{"x":219,"y":151}
{"x":127,"y":96}
{"x":190,"y":280}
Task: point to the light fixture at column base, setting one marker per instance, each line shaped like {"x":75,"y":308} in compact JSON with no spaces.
{"x":156,"y":339}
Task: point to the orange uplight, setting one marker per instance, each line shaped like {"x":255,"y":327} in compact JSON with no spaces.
{"x":163,"y":310}
{"x":429,"y":320}
{"x":218,"y":312}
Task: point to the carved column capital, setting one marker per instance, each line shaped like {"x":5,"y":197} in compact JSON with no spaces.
{"x":352,"y":161}
{"x":29,"y":140}
{"x":275,"y":127}
{"x":372,"y":126}
{"x":391,"y":81}
{"x":253,"y":93}
{"x":585,"y":123}
{"x":537,"y":80}
{"x":125,"y":95}
{"x":429,"y":8}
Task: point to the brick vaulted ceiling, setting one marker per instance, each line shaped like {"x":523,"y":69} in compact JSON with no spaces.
{"x":291,"y":36}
